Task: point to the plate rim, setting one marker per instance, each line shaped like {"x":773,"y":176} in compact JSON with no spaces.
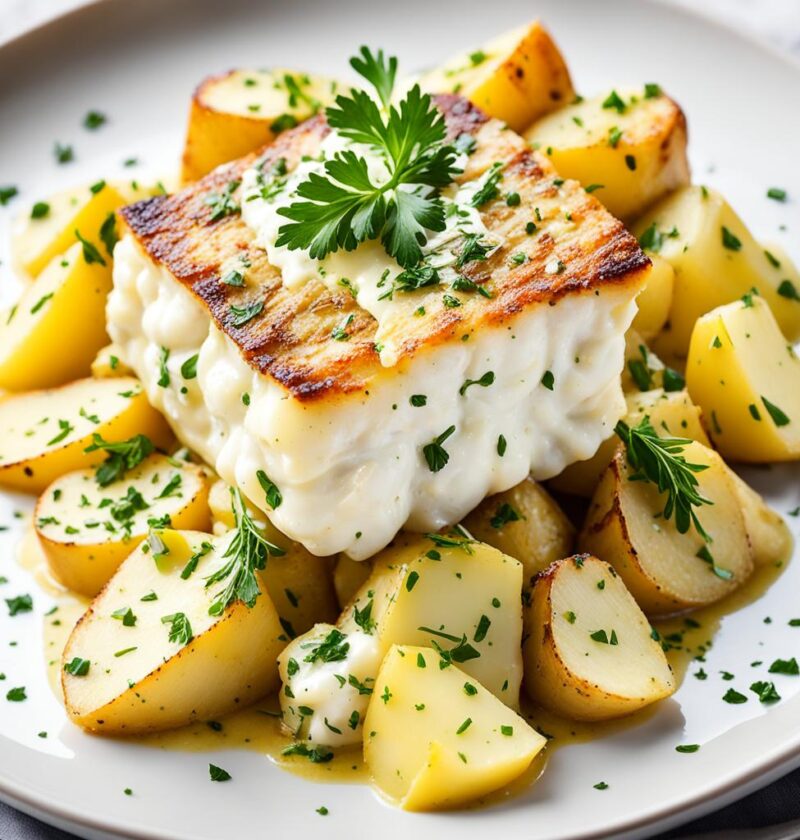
{"x":783,"y":761}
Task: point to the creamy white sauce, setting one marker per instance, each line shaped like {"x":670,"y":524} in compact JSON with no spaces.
{"x":326,"y":689}
{"x":368,"y":271}
{"x":351,"y":469}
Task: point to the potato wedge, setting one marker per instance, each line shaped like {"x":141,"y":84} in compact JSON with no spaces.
{"x":299,"y":583}
{"x":526,"y":523}
{"x":328,"y":677}
{"x":348,"y":577}
{"x":462,"y":595}
{"x":47,"y":432}
{"x":655,"y":300}
{"x":87,"y":212}
{"x":517,"y":77}
{"x":108,"y":365}
{"x":747,"y":379}
{"x":591,"y":654}
{"x":86,"y":530}
{"x":242,"y":110}
{"x":58,"y":324}
{"x":148,"y":656}
{"x":665,"y":570}
{"x":672,"y":413}
{"x":770,"y":537}
{"x":630,"y":147}
{"x":716,"y":260}
{"x":437,"y":738}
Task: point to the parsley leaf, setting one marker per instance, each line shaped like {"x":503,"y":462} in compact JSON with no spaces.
{"x":123,"y":455}
{"x":344,"y":207}
{"x":660,"y":461}
{"x":247,"y":553}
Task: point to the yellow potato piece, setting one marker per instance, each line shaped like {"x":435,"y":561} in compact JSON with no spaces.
{"x":57,"y":326}
{"x":467,"y":594}
{"x":108,"y":365}
{"x":46,"y":432}
{"x":590,"y":654}
{"x":299,"y":583}
{"x":655,"y":300}
{"x":85,"y":538}
{"x":436,"y":738}
{"x":526,"y":523}
{"x":240,"y":111}
{"x":140,"y":681}
{"x":716,"y":260}
{"x":629,"y":145}
{"x":516,"y":77}
{"x":747,"y":379}
{"x":36,"y":242}
{"x":770,"y":537}
{"x":667,"y":571}
{"x":672,"y":413}
{"x":348,"y":577}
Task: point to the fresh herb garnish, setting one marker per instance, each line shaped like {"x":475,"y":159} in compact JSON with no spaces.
{"x":343,"y":207}
{"x":246,"y":553}
{"x":123,"y":455}
{"x":180,"y":629}
{"x":660,"y":460}
{"x":435,"y":454}
{"x":271,"y":490}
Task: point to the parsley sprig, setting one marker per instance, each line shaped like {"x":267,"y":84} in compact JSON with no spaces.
{"x":345,"y":206}
{"x":123,"y":455}
{"x":247,"y":553}
{"x":660,"y":460}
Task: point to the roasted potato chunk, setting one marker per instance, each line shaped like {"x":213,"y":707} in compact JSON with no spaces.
{"x":108,"y":365}
{"x":460,"y":594}
{"x":665,"y":570}
{"x":58,"y":324}
{"x":148,"y":655}
{"x":242,"y":110}
{"x":436,"y":738}
{"x":47,"y":432}
{"x":655,"y":300}
{"x":770,"y":537}
{"x":747,"y":379}
{"x":86,"y":213}
{"x":716,"y":260}
{"x":526,"y":523}
{"x":591,"y":654}
{"x":516,"y":77}
{"x":87,"y":529}
{"x":630,"y":148}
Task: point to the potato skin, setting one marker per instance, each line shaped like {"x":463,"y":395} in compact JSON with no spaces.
{"x":541,"y":535}
{"x":608,"y":534}
{"x":646,"y":162}
{"x":522,"y":77}
{"x":548,"y":678}
{"x":229,"y":662}
{"x":184,"y":688}
{"x":214,"y":137}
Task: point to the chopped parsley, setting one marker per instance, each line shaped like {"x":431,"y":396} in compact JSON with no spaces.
{"x":435,"y":454}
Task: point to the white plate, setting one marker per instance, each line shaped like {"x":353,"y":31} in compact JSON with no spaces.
{"x":138,"y":62}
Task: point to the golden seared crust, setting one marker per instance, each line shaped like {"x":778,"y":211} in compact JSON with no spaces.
{"x":290,"y":340}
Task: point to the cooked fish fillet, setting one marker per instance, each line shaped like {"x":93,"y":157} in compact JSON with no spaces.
{"x":332,"y":422}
